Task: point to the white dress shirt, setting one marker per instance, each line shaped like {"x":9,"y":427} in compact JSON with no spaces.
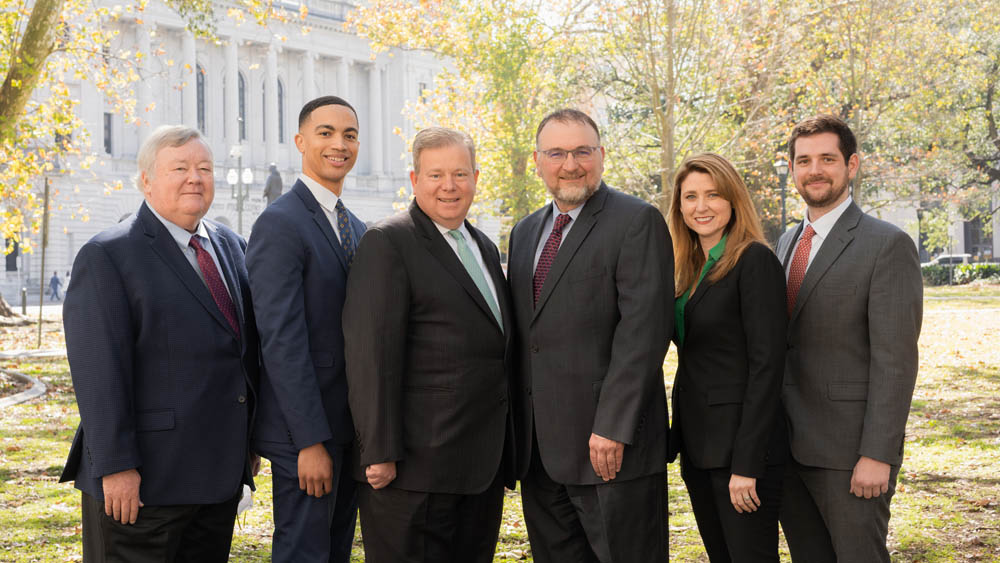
{"x":822,"y":226}
{"x":327,"y":200}
{"x":547,"y":229}
{"x":474,"y":247}
{"x":182,"y":237}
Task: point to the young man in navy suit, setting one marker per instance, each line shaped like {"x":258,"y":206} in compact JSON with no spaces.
{"x":163,"y":352}
{"x":299,"y":255}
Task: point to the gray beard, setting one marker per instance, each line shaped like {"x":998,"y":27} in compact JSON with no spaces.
{"x":574,"y":197}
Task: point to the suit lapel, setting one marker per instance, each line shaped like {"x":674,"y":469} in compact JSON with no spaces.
{"x":434,"y":241}
{"x":526,"y":258}
{"x":577,"y":233}
{"x":166,"y":248}
{"x":833,"y":246}
{"x":322,"y":223}
{"x":786,"y":254}
{"x":224,"y":252}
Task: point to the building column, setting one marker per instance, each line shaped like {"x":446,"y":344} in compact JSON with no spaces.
{"x":232,"y":101}
{"x":271,"y":98}
{"x":375,"y":116}
{"x":189,"y":95}
{"x":144,"y":93}
{"x":343,"y":79}
{"x":308,"y":77}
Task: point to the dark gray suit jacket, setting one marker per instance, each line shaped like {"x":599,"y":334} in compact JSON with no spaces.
{"x":427,"y":364}
{"x":851,"y":362}
{"x":591,"y":351}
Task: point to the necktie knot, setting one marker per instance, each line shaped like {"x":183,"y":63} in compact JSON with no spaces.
{"x":456,"y":234}
{"x":194,"y":243}
{"x":562,"y":220}
{"x":808,"y":233}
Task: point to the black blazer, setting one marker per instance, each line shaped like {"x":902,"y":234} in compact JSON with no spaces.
{"x":591,"y":351}
{"x":163,"y":383}
{"x":726,"y":395}
{"x":298,"y":275}
{"x":427,"y":364}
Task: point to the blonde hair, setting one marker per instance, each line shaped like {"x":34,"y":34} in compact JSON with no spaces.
{"x":437,"y":137}
{"x":743,"y":228}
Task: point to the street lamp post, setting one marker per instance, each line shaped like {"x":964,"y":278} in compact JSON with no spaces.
{"x":236,"y":180}
{"x":781,"y":168}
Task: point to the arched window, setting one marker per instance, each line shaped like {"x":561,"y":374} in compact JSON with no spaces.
{"x":200,"y":87}
{"x":242,"y":94}
{"x":281,"y":112}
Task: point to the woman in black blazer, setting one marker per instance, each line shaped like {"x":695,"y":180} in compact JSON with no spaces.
{"x":730,"y":335}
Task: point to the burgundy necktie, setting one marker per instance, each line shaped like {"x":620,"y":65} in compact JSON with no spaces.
{"x":549,"y":253}
{"x":798,"y":269}
{"x":215,"y":284}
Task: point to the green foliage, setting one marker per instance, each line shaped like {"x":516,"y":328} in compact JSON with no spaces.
{"x":937,"y":274}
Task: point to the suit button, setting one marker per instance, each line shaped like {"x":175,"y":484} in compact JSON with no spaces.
{"x":528,"y":390}
{"x":503,"y":400}
{"x":534,"y":349}
{"x":241,"y":399}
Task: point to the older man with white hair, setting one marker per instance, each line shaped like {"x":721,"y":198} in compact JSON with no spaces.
{"x":163,"y":352}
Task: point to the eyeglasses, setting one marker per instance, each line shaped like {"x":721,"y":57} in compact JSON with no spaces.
{"x":580,"y":154}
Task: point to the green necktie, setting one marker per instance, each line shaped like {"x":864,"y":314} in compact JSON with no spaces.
{"x":476,"y":273}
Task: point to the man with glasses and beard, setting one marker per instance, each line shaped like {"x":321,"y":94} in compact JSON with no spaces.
{"x":591,"y":279}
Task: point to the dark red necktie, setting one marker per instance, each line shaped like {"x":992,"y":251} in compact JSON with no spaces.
{"x":215,"y":284}
{"x":797,"y":271}
{"x":549,"y":252}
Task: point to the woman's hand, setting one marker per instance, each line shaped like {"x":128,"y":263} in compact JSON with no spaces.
{"x":743,"y":493}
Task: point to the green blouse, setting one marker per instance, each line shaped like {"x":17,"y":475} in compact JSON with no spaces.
{"x":713,"y":256}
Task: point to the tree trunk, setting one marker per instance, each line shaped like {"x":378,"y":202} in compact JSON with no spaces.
{"x":26,"y":67}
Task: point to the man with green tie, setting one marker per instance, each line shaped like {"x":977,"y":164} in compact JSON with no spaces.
{"x":427,"y":327}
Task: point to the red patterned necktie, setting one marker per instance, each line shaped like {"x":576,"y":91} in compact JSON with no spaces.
{"x":549,"y":253}
{"x":798,"y":269}
{"x":215,"y":284}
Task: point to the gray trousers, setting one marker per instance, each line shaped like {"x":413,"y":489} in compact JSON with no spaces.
{"x":823,"y":522}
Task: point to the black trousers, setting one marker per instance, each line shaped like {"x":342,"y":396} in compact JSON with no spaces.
{"x":400,"y":526}
{"x":824,"y":523}
{"x":729,"y":536}
{"x":188,"y":533}
{"x":614,"y":522}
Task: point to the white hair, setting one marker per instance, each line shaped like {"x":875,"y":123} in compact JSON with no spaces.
{"x":163,"y":136}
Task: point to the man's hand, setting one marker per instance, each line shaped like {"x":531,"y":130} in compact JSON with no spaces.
{"x":381,"y":474}
{"x":870,"y":478}
{"x":121,"y":495}
{"x":606,"y":456}
{"x":254,"y":464}
{"x":743,"y":493}
{"x":315,"y":470}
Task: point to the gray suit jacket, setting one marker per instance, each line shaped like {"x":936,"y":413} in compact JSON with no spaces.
{"x":591,"y":351}
{"x":851,"y":362}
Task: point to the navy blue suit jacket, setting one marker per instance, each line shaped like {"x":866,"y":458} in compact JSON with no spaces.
{"x":298,"y":277}
{"x":162,"y":381}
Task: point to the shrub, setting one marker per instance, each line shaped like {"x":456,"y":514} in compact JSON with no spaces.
{"x":963,"y":273}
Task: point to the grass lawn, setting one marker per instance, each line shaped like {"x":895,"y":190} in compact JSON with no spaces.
{"x":947,"y":506}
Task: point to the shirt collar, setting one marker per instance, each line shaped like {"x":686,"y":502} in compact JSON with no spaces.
{"x":327,"y":199}
{"x":461,"y":228}
{"x":716,"y":251}
{"x":573,"y":213}
{"x":825,"y":224}
{"x":180,"y":234}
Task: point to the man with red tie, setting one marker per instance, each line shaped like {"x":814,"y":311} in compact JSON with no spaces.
{"x":591,"y":277}
{"x":162,"y":348}
{"x":855,"y":309}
